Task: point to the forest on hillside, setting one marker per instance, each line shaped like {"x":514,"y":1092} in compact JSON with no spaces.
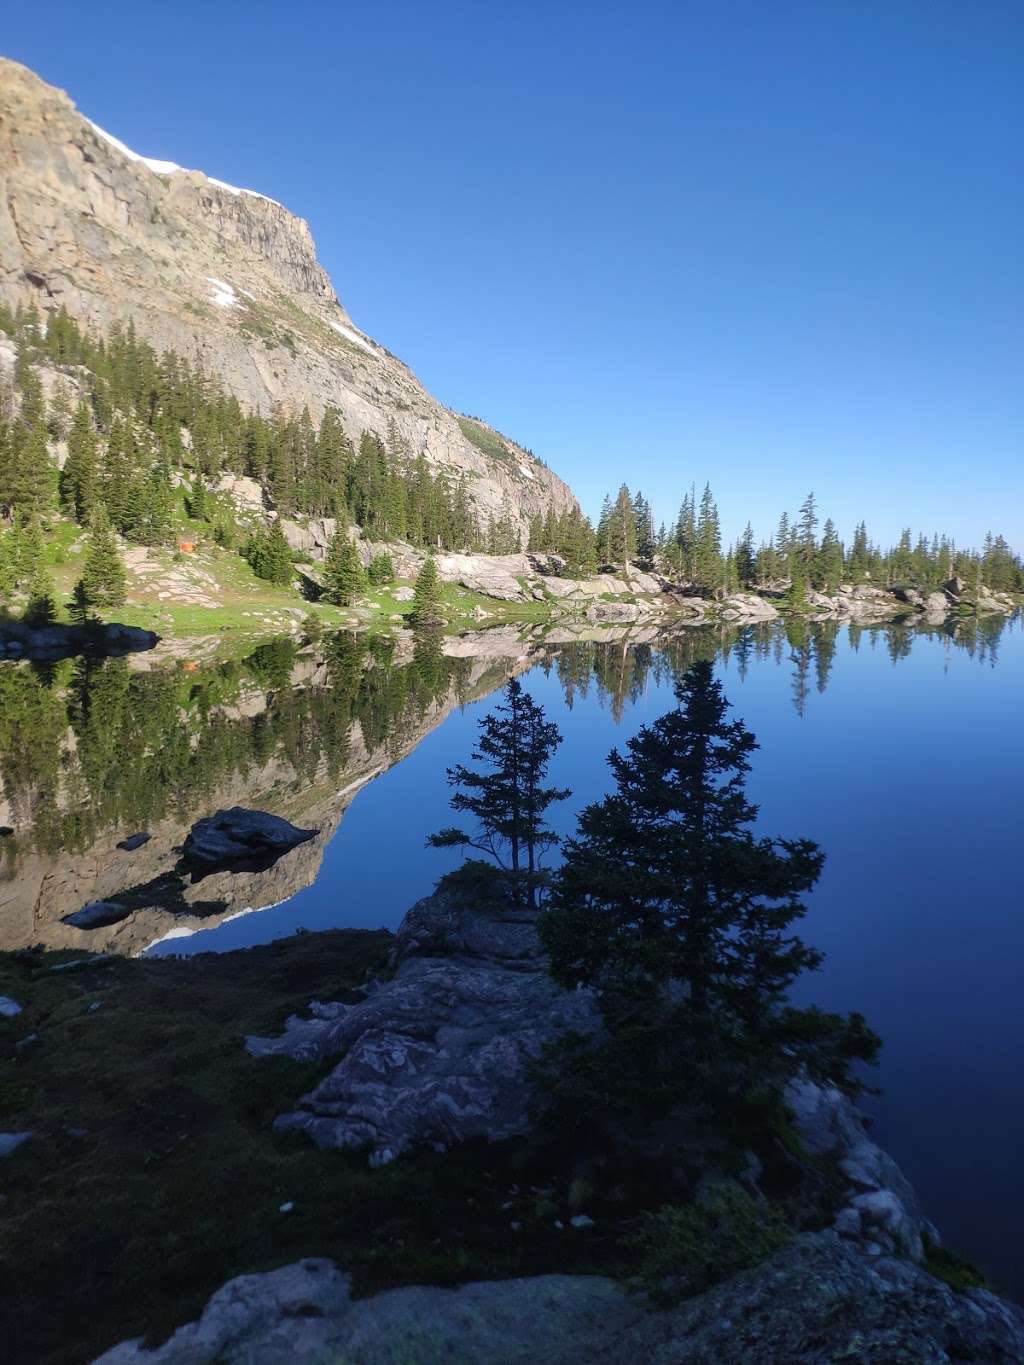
{"x":148,"y":436}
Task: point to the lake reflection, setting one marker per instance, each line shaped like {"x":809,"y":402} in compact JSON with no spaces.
{"x":898,"y":749}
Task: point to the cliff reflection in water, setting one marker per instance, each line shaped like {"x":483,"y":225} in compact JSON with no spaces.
{"x":94,"y":750}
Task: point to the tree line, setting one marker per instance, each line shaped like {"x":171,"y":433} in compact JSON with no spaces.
{"x":152,"y":433}
{"x":804,"y":553}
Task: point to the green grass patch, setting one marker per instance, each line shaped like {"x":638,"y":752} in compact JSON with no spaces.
{"x":154,"y":1173}
{"x":485,"y":440}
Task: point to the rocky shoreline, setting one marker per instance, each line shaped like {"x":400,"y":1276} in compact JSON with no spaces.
{"x":438,"y":1053}
{"x":636,"y":593}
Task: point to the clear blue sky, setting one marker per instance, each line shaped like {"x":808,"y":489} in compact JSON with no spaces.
{"x":776,"y":246}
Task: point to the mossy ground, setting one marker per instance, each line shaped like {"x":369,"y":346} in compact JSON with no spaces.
{"x":154,"y":1173}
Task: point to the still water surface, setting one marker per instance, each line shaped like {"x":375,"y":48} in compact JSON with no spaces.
{"x":900,"y":752}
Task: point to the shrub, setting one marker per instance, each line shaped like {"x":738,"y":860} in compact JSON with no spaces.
{"x":685,"y":1250}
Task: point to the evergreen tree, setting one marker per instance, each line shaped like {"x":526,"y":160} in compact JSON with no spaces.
{"x":686,"y":534}
{"x":746,"y":560}
{"x":682,"y":916}
{"x":623,"y":528}
{"x":830,"y":559}
{"x":32,"y":473}
{"x":33,"y":574}
{"x":103,"y":573}
{"x":344,"y":579}
{"x":79,"y":478}
{"x":271,"y":557}
{"x":427,"y":605}
{"x":509,"y":801}
{"x":707,"y":565}
{"x":381,"y":570}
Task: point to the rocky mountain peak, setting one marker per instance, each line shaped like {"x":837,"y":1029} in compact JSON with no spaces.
{"x":225,"y":276}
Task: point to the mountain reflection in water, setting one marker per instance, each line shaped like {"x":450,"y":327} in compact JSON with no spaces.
{"x":94,"y":750}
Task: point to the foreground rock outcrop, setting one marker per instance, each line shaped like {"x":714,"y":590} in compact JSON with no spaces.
{"x":439,"y":1053}
{"x":816,"y":1302}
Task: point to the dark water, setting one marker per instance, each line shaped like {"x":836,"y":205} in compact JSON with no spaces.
{"x":900,"y":752}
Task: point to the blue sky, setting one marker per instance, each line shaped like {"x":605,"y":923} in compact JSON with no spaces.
{"x":777,"y":247}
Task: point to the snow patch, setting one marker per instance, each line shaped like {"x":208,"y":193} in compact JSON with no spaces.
{"x":527,"y":473}
{"x":171,"y":167}
{"x":354,"y":337}
{"x":223,"y":294}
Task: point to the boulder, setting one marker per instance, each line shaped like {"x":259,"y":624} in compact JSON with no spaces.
{"x":614,"y":611}
{"x":562,"y":587}
{"x":8,"y":1007}
{"x":134,"y":841}
{"x":241,"y":836}
{"x":97,"y":915}
{"x":955,"y":585}
{"x":490,"y":575}
{"x":910,"y":596}
{"x":748,"y":606}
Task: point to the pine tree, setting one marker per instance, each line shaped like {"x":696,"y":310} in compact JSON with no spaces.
{"x":708,"y":547}
{"x":746,"y":560}
{"x":622,"y":529}
{"x":80,"y":476}
{"x":669,"y":902}
{"x":33,"y":575}
{"x":509,"y":801}
{"x":381,"y":570}
{"x":103,"y":573}
{"x":32,"y":473}
{"x":686,"y":535}
{"x":427,"y":606}
{"x":271,"y":558}
{"x":830,"y":559}
{"x":344,"y":579}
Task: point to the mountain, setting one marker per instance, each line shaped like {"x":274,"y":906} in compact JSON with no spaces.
{"x":222,"y":275}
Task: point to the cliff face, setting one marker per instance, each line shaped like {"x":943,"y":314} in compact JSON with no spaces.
{"x":224,"y":276}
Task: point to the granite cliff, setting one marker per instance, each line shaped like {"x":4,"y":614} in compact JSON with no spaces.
{"x":226,"y":277}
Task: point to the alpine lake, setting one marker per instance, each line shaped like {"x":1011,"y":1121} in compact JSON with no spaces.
{"x":897,"y":748}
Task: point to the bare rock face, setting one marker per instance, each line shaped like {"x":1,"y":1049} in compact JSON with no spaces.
{"x":816,"y":1301}
{"x":439,"y":1053}
{"x":305,"y":1313}
{"x":226,"y":277}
